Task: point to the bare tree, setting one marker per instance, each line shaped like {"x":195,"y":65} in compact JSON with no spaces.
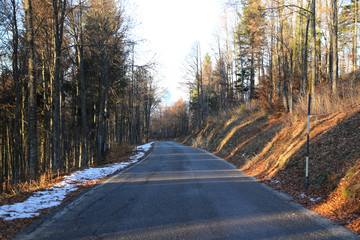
{"x":193,"y":73}
{"x":334,"y":44}
{"x":32,"y":132}
{"x":355,"y":41}
{"x":313,"y":45}
{"x":59,"y":7}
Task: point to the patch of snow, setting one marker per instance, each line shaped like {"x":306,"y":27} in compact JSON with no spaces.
{"x":303,"y":195}
{"x":53,"y":196}
{"x":274,"y":181}
{"x":315,"y":200}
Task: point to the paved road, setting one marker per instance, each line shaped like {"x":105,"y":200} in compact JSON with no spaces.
{"x":180,"y":192}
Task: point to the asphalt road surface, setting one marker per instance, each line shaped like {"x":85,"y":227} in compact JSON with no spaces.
{"x":179,"y":192}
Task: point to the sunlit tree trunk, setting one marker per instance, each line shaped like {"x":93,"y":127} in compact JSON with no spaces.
{"x":334,"y":42}
{"x":313,"y":45}
{"x":355,"y":43}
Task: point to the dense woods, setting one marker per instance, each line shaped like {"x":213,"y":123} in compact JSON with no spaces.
{"x":70,"y":89}
{"x":265,"y":56}
{"x":170,"y":122}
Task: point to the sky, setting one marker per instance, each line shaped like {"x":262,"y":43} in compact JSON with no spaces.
{"x":170,"y":28}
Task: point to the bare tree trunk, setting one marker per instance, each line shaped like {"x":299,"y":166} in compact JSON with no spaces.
{"x":104,"y":79}
{"x":45,"y":135}
{"x":252,"y":75}
{"x":271,"y":94}
{"x":279,"y":76}
{"x":305,"y":59}
{"x":32,"y":132}
{"x":84,"y":152}
{"x":242,"y":95}
{"x":313,"y":46}
{"x":329,"y":59}
{"x":202,"y":97}
{"x":334,"y":42}
{"x":6,"y":161}
{"x":355,"y":43}
{"x":59,"y":7}
{"x":284,"y":69}
{"x":291,"y":83}
{"x":15,"y":65}
{"x":259,"y":68}
{"x":23,"y":156}
{"x":76,"y":126}
{"x":2,"y":158}
{"x":57,"y":129}
{"x":80,"y":61}
{"x":198,"y":101}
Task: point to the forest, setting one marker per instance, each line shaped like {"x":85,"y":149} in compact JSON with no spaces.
{"x":263,"y":58}
{"x":70,"y":89}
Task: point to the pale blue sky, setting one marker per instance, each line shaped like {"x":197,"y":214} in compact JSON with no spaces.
{"x":171,"y":27}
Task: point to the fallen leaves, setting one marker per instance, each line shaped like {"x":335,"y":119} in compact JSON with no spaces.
{"x":279,"y":158}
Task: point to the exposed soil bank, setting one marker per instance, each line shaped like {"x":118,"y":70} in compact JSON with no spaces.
{"x":272,"y":148}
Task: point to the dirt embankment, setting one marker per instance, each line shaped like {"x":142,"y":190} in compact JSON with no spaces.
{"x":272,"y":148}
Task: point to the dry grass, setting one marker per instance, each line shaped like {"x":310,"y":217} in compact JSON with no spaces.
{"x":335,"y":164}
{"x":25,"y":188}
{"x":324,"y":102}
{"x":275,"y":147}
{"x":118,"y":152}
{"x":235,"y":129}
{"x":230,"y":115}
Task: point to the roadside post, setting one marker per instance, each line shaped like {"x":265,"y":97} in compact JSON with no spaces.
{"x":308,"y":137}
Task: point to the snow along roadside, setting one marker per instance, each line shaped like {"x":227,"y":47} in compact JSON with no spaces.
{"x":54,"y":196}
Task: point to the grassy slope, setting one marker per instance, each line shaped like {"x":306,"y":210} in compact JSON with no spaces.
{"x":272,"y":148}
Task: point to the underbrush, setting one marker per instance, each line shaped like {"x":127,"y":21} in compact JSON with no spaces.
{"x":118,"y":152}
{"x":24,"y":189}
{"x":324,"y":102}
